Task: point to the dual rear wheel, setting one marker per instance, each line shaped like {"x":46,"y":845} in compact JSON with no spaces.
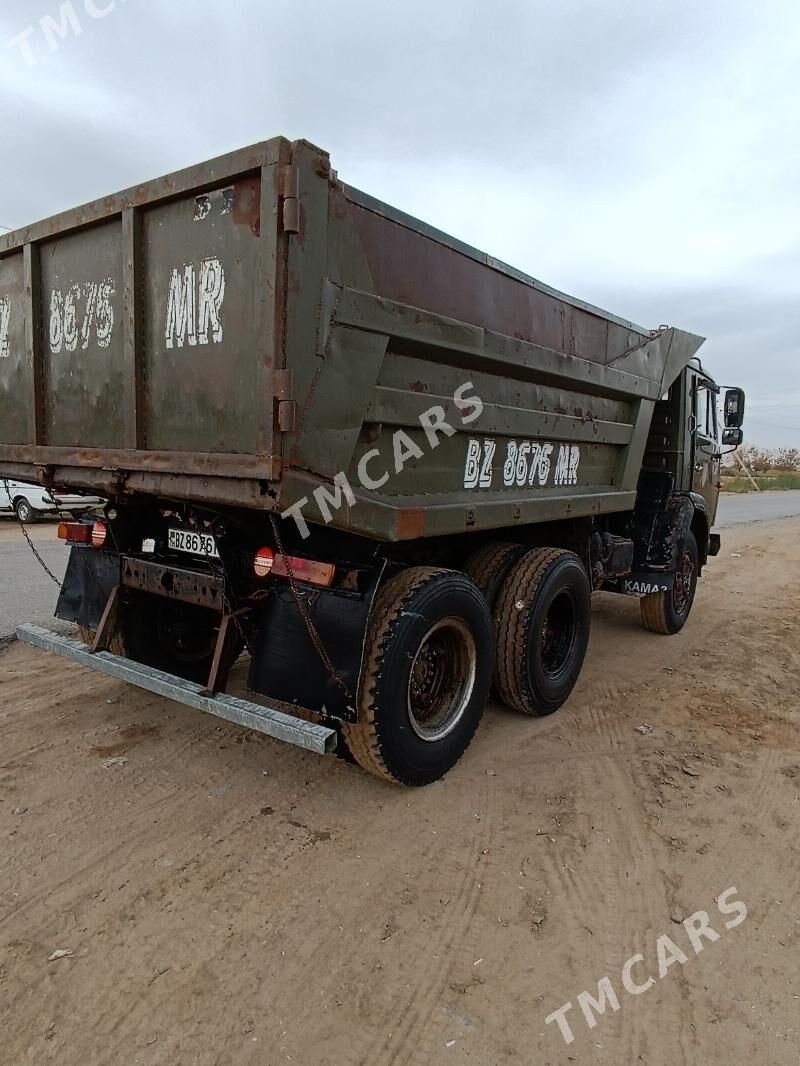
{"x":541,"y":629}
{"x":438,"y":639}
{"x":426,"y":678}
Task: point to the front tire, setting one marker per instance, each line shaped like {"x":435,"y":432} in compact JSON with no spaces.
{"x":24,"y":512}
{"x":666,"y":612}
{"x":542,"y":620}
{"x":426,"y":680}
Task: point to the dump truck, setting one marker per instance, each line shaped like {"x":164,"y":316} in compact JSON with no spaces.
{"x":381,"y":470}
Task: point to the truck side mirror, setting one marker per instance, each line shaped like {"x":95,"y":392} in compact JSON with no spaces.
{"x":732,"y":435}
{"x":734,"y":408}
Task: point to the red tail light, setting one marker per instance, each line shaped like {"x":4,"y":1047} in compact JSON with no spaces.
{"x":266,"y":563}
{"x":75,"y":532}
{"x":99,"y":533}
{"x":306,"y":570}
{"x":263,"y":562}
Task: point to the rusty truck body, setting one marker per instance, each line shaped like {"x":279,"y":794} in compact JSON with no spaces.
{"x":387,"y":466}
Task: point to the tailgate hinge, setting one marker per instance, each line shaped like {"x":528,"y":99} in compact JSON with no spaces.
{"x":290,"y":193}
{"x":287,"y":408}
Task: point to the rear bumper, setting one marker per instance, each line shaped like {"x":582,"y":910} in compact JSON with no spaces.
{"x":271,"y":721}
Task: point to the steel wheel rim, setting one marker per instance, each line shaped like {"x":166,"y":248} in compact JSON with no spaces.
{"x":441,"y":679}
{"x":682,"y":585}
{"x":557,"y":637}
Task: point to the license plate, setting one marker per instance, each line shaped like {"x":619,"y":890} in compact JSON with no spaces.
{"x":185,"y":540}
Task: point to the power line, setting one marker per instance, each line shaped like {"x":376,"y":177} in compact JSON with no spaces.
{"x":772,"y":425}
{"x":772,"y":420}
{"x":791,"y":396}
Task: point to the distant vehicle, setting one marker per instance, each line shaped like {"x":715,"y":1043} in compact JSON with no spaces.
{"x":30,"y":502}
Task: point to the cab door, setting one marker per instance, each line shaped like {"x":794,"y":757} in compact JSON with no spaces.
{"x":705,"y":442}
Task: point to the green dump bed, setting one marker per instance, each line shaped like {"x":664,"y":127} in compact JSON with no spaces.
{"x":244,"y":331}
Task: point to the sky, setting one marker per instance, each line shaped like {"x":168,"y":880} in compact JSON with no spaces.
{"x":643,"y":156}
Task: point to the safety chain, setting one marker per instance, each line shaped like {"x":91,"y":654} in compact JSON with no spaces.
{"x":62,"y":517}
{"x":25,"y":534}
{"x":302,"y":607}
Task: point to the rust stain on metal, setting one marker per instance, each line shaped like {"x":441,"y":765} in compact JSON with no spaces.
{"x":188,"y":586}
{"x":292,"y":284}
{"x":409,"y":523}
{"x":322,"y":166}
{"x":247,"y":204}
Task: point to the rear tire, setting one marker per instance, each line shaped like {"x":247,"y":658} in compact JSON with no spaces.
{"x":176,"y":637}
{"x":489,"y":566}
{"x":24,"y":512}
{"x":426,"y":680}
{"x":666,"y":612}
{"x":541,"y":620}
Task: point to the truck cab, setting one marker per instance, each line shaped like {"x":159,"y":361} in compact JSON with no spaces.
{"x":692,"y":423}
{"x":676,"y":504}
{"x":704,"y":439}
{"x":714,"y":423}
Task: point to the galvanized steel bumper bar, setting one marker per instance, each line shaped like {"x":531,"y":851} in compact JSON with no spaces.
{"x":241,"y":712}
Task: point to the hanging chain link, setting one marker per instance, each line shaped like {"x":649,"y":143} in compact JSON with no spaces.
{"x":26,"y":535}
{"x":302,"y":606}
{"x":62,"y":517}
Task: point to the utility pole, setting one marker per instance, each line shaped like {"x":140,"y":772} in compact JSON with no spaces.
{"x":746,"y":469}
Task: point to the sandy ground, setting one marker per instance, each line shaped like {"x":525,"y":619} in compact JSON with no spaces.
{"x":230,"y":900}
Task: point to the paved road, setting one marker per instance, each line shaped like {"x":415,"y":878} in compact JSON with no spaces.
{"x":28,"y":595}
{"x":26,"y":592}
{"x":735,"y":509}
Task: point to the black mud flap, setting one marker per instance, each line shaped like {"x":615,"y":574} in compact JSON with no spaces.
{"x":658,"y":535}
{"x":287,"y":666}
{"x":91,"y":575}
{"x":714,"y":544}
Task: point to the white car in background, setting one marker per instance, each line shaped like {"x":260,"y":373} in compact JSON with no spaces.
{"x":30,"y":502}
